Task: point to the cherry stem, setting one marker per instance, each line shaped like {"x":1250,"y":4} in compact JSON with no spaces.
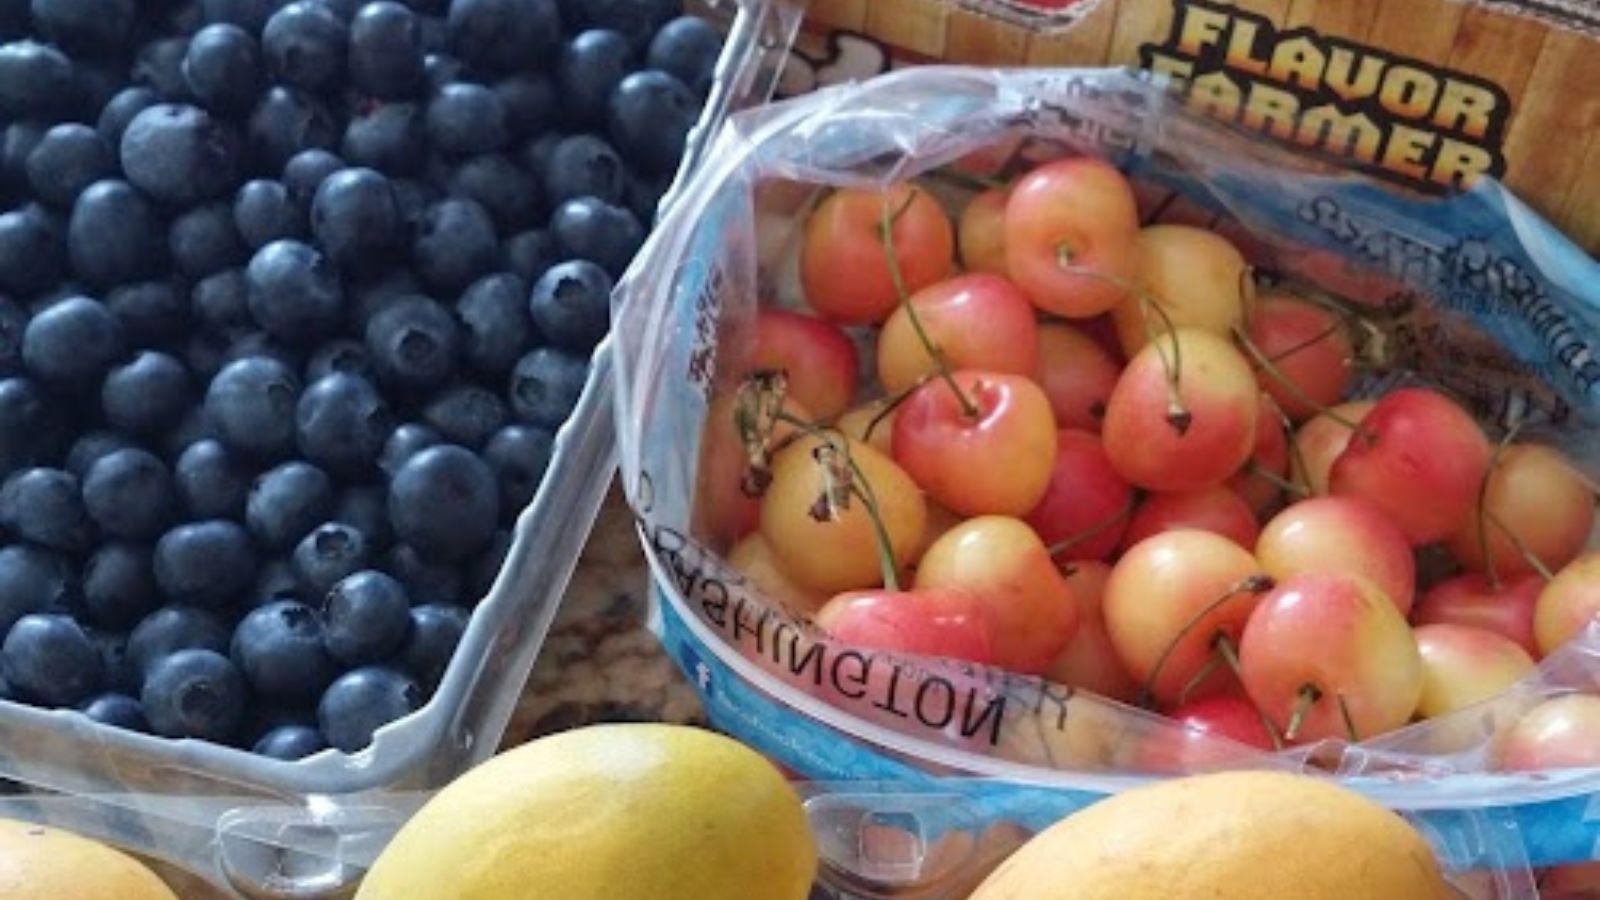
{"x":1306,"y":344}
{"x":1309,"y":695}
{"x":1266,"y":365}
{"x":1483,"y":505}
{"x":889,"y":408}
{"x":1534,"y":562}
{"x":1254,"y":584}
{"x":1095,"y":530}
{"x":940,"y":365}
{"x":1278,"y":481}
{"x":1200,"y":676}
{"x":1230,"y":655}
{"x":757,"y":406}
{"x":1349,"y":720}
{"x":971,"y":180}
{"x":860,"y":487}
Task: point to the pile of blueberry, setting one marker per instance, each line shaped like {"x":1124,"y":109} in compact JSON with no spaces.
{"x":293,"y":296}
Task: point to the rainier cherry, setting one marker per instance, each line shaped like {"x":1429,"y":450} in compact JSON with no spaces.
{"x":950,"y":624}
{"x":1198,"y":279}
{"x":1077,"y":374}
{"x":975,"y":321}
{"x":817,"y":357}
{"x":1471,"y":600}
{"x":1090,"y":663}
{"x":1562,"y":733}
{"x":844,"y":261}
{"x":1307,"y":346}
{"x":1534,"y":493}
{"x":1419,"y":458}
{"x":1215,"y":509}
{"x":1568,"y":604}
{"x":1340,"y":534}
{"x":1086,"y":507}
{"x":1183,"y":416}
{"x":982,"y":232}
{"x":1319,"y":442}
{"x":1199,"y":745}
{"x":726,"y":506}
{"x":1462,"y":666}
{"x":1069,"y":236}
{"x":1327,"y":656}
{"x":1260,"y":483}
{"x":753,"y":558}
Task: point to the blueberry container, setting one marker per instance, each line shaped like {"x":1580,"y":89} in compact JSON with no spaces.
{"x":263,"y":828}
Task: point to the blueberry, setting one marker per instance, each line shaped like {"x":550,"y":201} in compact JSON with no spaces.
{"x":73,"y":342}
{"x":50,"y":659}
{"x":425,"y":581}
{"x":204,"y":241}
{"x":121,"y":110}
{"x":390,"y":137}
{"x":211,"y":483}
{"x":130,"y":494}
{"x":44,"y":506}
{"x":368,"y":618}
{"x":341,"y":423}
{"x":264,"y":212}
{"x":637,"y":19}
{"x":206,"y":563}
{"x":504,"y":34}
{"x":529,"y":101}
{"x":584,"y":166}
{"x":385,"y":50}
{"x":376,"y":296}
{"x":535,"y":153}
{"x":121,"y":677}
{"x":279,"y":649}
{"x":85,"y":26}
{"x":366,"y":509}
{"x":687,"y":48}
{"x":527,"y":254}
{"x":31,"y":429}
{"x":66,"y":160}
{"x":98,"y":81}
{"x":223,"y":68}
{"x":36,"y":81}
{"x":519,"y":456}
{"x":180,"y":154}
{"x":173,"y":628}
{"x":444,"y":502}
{"x":286,"y":123}
{"x":486,"y":568}
{"x":13,"y":325}
{"x":455,"y":244}
{"x":650,"y":116}
{"x":405,"y":442}
{"x":436,"y":631}
{"x":195,"y":694}
{"x":252,"y":404}
{"x":306,"y":170}
{"x":361,"y":702}
{"x":591,"y":229}
{"x":356,"y":221}
{"x":546,"y":385}
{"x":89,"y":447}
{"x":250,"y":15}
{"x":17,"y":141}
{"x":147,"y":395}
{"x":220,"y":304}
{"x":152,"y":313}
{"x":571,"y":305}
{"x":119,"y":585}
{"x":33,"y":579}
{"x":414,"y":196}
{"x":294,"y":292}
{"x":440,"y":69}
{"x":274,"y":583}
{"x":413,"y":343}
{"x":305,"y":45}
{"x":343,"y":356}
{"x":511,"y":196}
{"x":290,"y":743}
{"x":345,"y":9}
{"x":465,"y":118}
{"x":159,"y":66}
{"x":114,"y":236}
{"x":466,"y":414}
{"x":195,"y":427}
{"x":645,"y":195}
{"x":33,"y":251}
{"x":592,"y":65}
{"x":287,"y":502}
{"x":117,"y":711}
{"x":496,"y":323}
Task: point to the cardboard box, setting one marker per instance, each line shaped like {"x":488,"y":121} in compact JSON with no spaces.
{"x":1430,"y":94}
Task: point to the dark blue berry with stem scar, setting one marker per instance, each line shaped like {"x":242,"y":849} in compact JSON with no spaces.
{"x":519,"y":456}
{"x":464,"y":119}
{"x":36,"y":81}
{"x":592,"y":65}
{"x":294,"y":292}
{"x":285,"y":123}
{"x":286,"y":503}
{"x":546,"y":385}
{"x":343,"y":356}
{"x":290,"y":743}
{"x":153,"y":314}
{"x":117,"y":711}
{"x":121,"y":109}
{"x":114,"y":236}
{"x":444,"y":502}
{"x":264,"y":212}
{"x":69,"y":158}
{"x":591,"y":229}
{"x":251,"y":403}
{"x":33,"y":579}
{"x":196,"y":694}
{"x":512,"y":197}
{"x":455,"y":244}
{"x":208,"y":563}
{"x":389,"y":137}
{"x":687,"y":48}
{"x":73,"y":342}
{"x":584,"y":166}
{"x":130,"y":494}
{"x":33,"y":251}
{"x":363,"y":701}
{"x":87,"y":449}
{"x":211,"y":482}
{"x":204,"y":241}
{"x":305,"y":45}
{"x":181,"y":155}
{"x":527,"y":254}
{"x":650,"y":116}
{"x":436,"y":631}
{"x":220,"y":304}
{"x":368,"y":618}
{"x":223,"y":68}
{"x":365,"y":508}
{"x":279,"y":648}
{"x":466,"y":414}
{"x":495,"y":322}
{"x":148,"y":394}
{"x":44,"y":506}
{"x":119,"y":585}
{"x":503,"y":35}
{"x":85,"y":27}
{"x":405,"y":442}
{"x":413,"y":343}
{"x":571,"y":305}
{"x":529,"y":101}
{"x":386,"y":50}
{"x":425,"y":580}
{"x":159,"y":66}
{"x":356,"y":221}
{"x":342,"y":422}
{"x":50,"y":659}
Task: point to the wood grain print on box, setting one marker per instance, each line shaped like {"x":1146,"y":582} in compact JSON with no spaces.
{"x":1431,"y":94}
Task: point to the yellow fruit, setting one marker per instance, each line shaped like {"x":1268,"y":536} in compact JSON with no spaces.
{"x":1232,"y":836}
{"x":612,"y":812}
{"x":38,"y":863}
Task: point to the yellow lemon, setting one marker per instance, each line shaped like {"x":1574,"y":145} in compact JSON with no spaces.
{"x":38,"y":863}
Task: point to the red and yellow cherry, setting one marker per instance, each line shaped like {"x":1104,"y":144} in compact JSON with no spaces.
{"x":753,"y":558}
{"x":1568,"y":604}
{"x":1327,"y":656}
{"x":1260,"y":483}
{"x":940,"y":521}
{"x":1090,"y":663}
{"x":1306,"y":346}
{"x":1419,"y":458}
{"x":1086,"y":504}
{"x":995,"y":458}
{"x":1000,"y":561}
{"x":1470,"y":599}
{"x":1340,"y":534}
{"x":1462,"y":666}
{"x":874,"y":415}
{"x":1198,"y":745}
{"x":844,"y":261}
{"x":1168,"y":602}
{"x":977,"y":321}
{"x":1069,"y":236}
{"x":816,"y":356}
{"x":831,"y":548}
{"x":949,"y":624}
{"x":981,"y":232}
{"x":1198,"y":278}
{"x":725,"y":510}
{"x":1160,"y":447}
{"x":1214,"y":509}
{"x":1536,"y":494}
{"x":1561,"y":733}
{"x":1077,"y":374}
{"x":1320,"y":441}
